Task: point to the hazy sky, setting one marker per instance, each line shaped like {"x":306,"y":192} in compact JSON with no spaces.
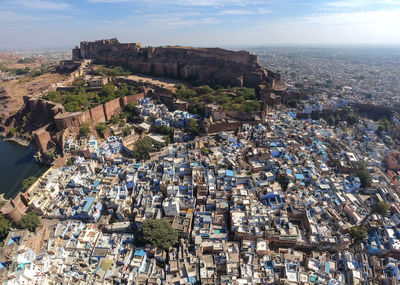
{"x":62,"y":23}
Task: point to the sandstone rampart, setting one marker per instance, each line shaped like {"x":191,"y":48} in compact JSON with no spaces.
{"x":203,"y":65}
{"x":49,"y":112}
{"x":228,"y":126}
{"x":101,"y":113}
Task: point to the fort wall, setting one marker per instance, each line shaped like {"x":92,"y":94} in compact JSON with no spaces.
{"x":228,"y":126}
{"x":112,"y":108}
{"x":204,"y":65}
{"x":97,"y":114}
{"x":101,"y":113}
{"x":42,"y":138}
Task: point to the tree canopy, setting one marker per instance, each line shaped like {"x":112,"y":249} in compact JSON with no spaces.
{"x":292,"y":103}
{"x":159,"y":233}
{"x":358,"y":233}
{"x":381,"y":208}
{"x":364,"y":175}
{"x":101,"y":128}
{"x":27,"y":182}
{"x":29,"y":221}
{"x":79,"y":99}
{"x":84,"y":130}
{"x":132,"y":113}
{"x":231,"y":99}
{"x":193,"y":126}
{"x":113,"y":71}
{"x":4,"y":227}
{"x":142,"y":148}
{"x":284,"y":182}
{"x":352,"y":119}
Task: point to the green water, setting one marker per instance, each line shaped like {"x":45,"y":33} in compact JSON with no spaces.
{"x":16,"y":164}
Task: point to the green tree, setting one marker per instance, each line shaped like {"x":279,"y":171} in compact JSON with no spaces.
{"x":203,"y":150}
{"x":198,"y":109}
{"x":113,"y":71}
{"x":205,"y":89}
{"x":159,"y":233}
{"x":193,"y":126}
{"x":12,"y":131}
{"x":364,"y":175}
{"x":29,"y":221}
{"x":122,"y":91}
{"x":5,"y":226}
{"x":142,"y":148}
{"x":292,"y":103}
{"x":380,"y":130}
{"x":133,"y":113}
{"x":167,"y":140}
{"x":352,"y":119}
{"x":283,"y":180}
{"x":126,"y":131}
{"x":109,"y":90}
{"x":84,"y":130}
{"x":331,"y":120}
{"x":382,"y":208}
{"x":27,"y":182}
{"x":51,"y":154}
{"x":250,"y":106}
{"x":101,"y":129}
{"x":358,"y":233}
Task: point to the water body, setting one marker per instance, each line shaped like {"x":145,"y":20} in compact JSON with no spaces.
{"x":16,"y":164}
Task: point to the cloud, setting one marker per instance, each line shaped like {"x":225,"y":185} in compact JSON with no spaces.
{"x":108,"y":1}
{"x":240,"y":12}
{"x":11,"y":17}
{"x":369,"y":27}
{"x":42,"y":5}
{"x":346,"y":4}
{"x":199,"y":3}
{"x":367,"y":18}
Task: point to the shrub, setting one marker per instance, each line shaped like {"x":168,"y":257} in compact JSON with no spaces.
{"x":364,"y":175}
{"x":27,"y":182}
{"x":12,"y":131}
{"x":29,"y":221}
{"x":126,"y":131}
{"x":84,"y":130}
{"x":101,"y":129}
{"x":5,"y":226}
{"x":193,"y":126}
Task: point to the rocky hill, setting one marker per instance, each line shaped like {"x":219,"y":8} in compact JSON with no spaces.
{"x":203,"y":65}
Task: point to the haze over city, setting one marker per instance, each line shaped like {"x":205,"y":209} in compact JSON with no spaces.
{"x":59,"y":24}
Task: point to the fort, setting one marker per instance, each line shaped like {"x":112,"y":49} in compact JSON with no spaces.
{"x":54,"y":114}
{"x":212,"y":66}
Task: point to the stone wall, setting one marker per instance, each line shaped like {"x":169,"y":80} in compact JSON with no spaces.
{"x":97,"y":114}
{"x":42,"y":138}
{"x":204,"y":65}
{"x":227,"y":126}
{"x":112,"y":108}
{"x":101,"y":113}
{"x":242,"y":116}
{"x":15,"y":208}
{"x":42,"y":111}
{"x":373,"y":111}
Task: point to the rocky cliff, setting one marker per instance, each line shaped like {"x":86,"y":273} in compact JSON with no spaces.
{"x":204,"y":65}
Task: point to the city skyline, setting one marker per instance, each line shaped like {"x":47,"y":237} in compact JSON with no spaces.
{"x":61,"y":24}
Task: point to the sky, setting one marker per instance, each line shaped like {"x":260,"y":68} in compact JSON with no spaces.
{"x":28,"y":24}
